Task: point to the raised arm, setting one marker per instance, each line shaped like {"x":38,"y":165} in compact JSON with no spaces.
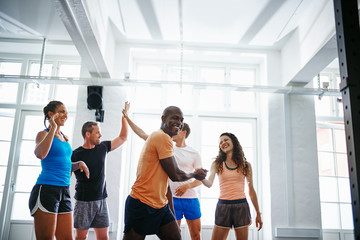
{"x":44,"y":139}
{"x":137,"y":130}
{"x":119,"y":140}
{"x":213,"y":170}
{"x":176,"y":174}
{"x":253,"y":197}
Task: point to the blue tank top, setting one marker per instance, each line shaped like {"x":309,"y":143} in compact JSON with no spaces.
{"x":56,"y":166}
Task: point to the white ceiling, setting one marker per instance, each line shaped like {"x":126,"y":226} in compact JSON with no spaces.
{"x":240,"y":23}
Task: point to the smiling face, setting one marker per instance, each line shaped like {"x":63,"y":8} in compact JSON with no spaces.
{"x":95,"y":135}
{"x":172,"y":120}
{"x":225,"y":143}
{"x":61,"y":119}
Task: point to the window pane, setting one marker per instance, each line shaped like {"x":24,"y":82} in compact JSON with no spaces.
{"x":340,"y":143}
{"x":242,"y":102}
{"x":344,"y":190}
{"x":69,"y":70}
{"x":26,"y":178}
{"x":20,"y":209}
{"x":174,"y":73}
{"x":208,"y":207}
{"x":328,"y":189}
{"x":212,"y":75}
{"x":326,"y":164}
{"x":36,"y":93}
{"x":330,"y":217}
{"x":10,"y":68}
{"x":32,"y":125}
{"x":6,"y":128}
{"x":27,"y":156}
{"x":342,"y":165}
{"x":45,"y":72}
{"x":148,"y":96}
{"x":180,"y":96}
{"x":8,"y":92}
{"x":67,"y":94}
{"x":324,"y":139}
{"x":149,"y":72}
{"x":211,"y":100}
{"x":4,"y":153}
{"x":242,"y":77}
{"x":347,"y":221}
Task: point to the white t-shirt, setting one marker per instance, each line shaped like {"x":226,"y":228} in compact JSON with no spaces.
{"x":188,"y":159}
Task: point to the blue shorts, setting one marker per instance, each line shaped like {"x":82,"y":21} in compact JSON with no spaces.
{"x":188,"y":207}
{"x":50,"y":199}
{"x":144,"y":219}
{"x":91,"y":214}
{"x":232,"y":213}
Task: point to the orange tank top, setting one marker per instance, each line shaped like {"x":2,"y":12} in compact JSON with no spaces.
{"x":232,"y":184}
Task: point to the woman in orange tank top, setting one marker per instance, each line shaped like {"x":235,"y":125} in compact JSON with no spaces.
{"x":232,"y":210}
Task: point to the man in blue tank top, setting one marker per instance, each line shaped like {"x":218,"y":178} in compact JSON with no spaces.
{"x":90,"y":207}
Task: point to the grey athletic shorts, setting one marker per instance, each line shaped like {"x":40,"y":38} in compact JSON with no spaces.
{"x":91,"y":214}
{"x":232,"y":213}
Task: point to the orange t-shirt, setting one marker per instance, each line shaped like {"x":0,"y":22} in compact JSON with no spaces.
{"x":232,"y":184}
{"x":151,"y":182}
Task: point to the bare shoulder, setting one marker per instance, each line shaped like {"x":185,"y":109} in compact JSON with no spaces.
{"x":40,"y":135}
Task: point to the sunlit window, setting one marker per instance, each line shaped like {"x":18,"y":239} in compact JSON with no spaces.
{"x":8,"y":91}
{"x":36,"y":93}
{"x":6,"y":128}
{"x":335,"y":194}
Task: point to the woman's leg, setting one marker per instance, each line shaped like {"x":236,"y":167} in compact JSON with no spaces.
{"x":242,"y":233}
{"x":45,"y":225}
{"x":219,"y":233}
{"x":64,"y":226}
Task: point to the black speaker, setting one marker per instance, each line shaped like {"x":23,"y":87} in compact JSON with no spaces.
{"x":94,"y":98}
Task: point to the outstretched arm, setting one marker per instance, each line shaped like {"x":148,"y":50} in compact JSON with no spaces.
{"x":253,"y":197}
{"x":119,"y":140}
{"x":213,"y":170}
{"x":176,"y":174}
{"x":137,"y":130}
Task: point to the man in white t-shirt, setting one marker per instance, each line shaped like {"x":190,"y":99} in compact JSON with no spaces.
{"x":185,"y":199}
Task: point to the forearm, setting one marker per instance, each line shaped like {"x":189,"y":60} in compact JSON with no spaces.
{"x":137,"y":130}
{"x":207,"y":183}
{"x":254,"y":201}
{"x":194,"y":184}
{"x":75,"y":166}
{"x":180,"y":176}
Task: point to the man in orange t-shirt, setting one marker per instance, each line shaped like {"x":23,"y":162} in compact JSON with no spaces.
{"x":147,"y":208}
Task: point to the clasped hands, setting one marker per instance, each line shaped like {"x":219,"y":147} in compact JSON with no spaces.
{"x":200,"y":173}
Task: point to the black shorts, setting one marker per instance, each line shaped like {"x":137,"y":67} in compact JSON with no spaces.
{"x":232,"y":213}
{"x":50,"y":199}
{"x":144,"y":219}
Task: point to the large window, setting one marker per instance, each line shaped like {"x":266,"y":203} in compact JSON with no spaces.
{"x":29,"y":120}
{"x":334,"y":178}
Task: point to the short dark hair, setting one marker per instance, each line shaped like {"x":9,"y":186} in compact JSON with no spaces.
{"x":87,"y":127}
{"x":186,"y":127}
